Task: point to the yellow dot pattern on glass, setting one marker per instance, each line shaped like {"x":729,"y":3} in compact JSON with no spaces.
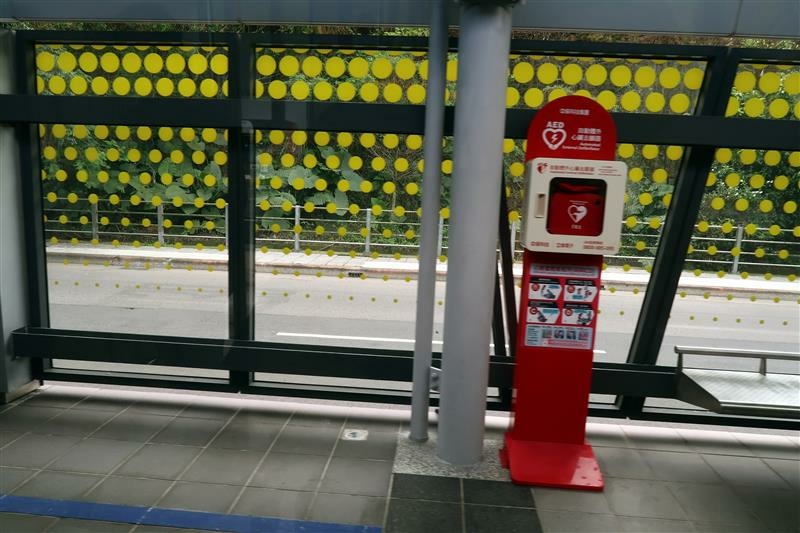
{"x":335,"y":182}
{"x":748,"y":210}
{"x":132,"y":71}
{"x":767,"y":91}
{"x":392,"y":76}
{"x":384,"y":172}
{"x":619,"y":84}
{"x":131,"y":175}
{"x":385,"y":76}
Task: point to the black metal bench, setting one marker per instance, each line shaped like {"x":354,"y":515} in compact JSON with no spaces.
{"x":740,"y":392}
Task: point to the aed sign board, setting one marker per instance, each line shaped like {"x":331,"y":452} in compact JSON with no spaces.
{"x":572,"y":127}
{"x":574,"y":205}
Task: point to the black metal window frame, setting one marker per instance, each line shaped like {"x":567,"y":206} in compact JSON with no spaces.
{"x":241,"y":114}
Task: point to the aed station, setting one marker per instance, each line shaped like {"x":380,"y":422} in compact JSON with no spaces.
{"x":573,"y":208}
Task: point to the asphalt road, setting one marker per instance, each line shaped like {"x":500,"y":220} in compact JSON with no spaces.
{"x":378,"y":313}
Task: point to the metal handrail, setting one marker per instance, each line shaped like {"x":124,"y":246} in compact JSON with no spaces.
{"x":762,"y":355}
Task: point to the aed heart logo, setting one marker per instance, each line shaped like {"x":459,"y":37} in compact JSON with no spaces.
{"x":554,"y":137}
{"x":577,"y":212}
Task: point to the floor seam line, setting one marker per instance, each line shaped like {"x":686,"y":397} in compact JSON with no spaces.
{"x":249,"y":479}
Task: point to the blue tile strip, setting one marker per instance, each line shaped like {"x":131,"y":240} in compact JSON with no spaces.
{"x":152,"y":516}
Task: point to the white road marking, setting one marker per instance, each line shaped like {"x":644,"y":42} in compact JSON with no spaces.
{"x":357,"y":338}
{"x":347,"y":337}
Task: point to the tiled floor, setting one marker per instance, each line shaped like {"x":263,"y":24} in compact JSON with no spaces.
{"x":263,"y":457}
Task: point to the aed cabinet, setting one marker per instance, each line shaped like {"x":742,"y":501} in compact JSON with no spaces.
{"x":574,"y":205}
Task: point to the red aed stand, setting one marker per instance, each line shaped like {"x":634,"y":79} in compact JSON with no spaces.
{"x":545,"y":444}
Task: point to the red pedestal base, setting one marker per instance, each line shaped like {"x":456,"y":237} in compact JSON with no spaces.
{"x":552,"y":464}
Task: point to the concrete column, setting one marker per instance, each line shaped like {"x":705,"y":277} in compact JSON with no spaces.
{"x":429,"y":227}
{"x":15,"y":375}
{"x":483,"y":50}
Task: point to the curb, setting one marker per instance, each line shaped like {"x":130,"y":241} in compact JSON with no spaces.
{"x":295,"y":263}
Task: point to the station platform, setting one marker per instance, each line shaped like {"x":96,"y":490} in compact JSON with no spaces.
{"x":113,"y":459}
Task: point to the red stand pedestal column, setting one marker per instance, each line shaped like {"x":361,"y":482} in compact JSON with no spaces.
{"x":546,"y":444}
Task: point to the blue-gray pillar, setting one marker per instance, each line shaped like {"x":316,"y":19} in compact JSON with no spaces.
{"x":429,"y":227}
{"x":15,"y":375}
{"x":483,"y":49}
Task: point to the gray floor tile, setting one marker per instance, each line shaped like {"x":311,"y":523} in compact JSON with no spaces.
{"x":61,"y":400}
{"x":496,"y":493}
{"x":200,"y":497}
{"x":647,"y":438}
{"x":71,"y":525}
{"x":189,"y":431}
{"x":244,"y":436}
{"x":435,"y":488}
{"x":164,"y":461}
{"x":572,"y":522}
{"x":23,"y":418}
{"x":101,"y":403}
{"x":290,"y":471}
{"x":212,"y":412}
{"x":36,"y":450}
{"x":13,"y":477}
{"x":95,"y":456}
{"x":376,"y":446}
{"x":273,"y":502}
{"x":415,"y":516}
{"x":491,"y":519}
{"x":128,"y":491}
{"x":354,"y":476}
{"x":223,"y":466}
{"x":776,"y":508}
{"x":570,"y":500}
{"x":373,"y":425}
{"x":307,"y":440}
{"x":717,"y":527}
{"x":712,"y":503}
{"x":133,"y":426}
{"x":159,"y":407}
{"x":307,"y":420}
{"x":58,"y":485}
{"x":21,"y":523}
{"x":634,"y":524}
{"x":7,"y":435}
{"x":261,"y":416}
{"x":649,"y":499}
{"x":788,"y":470}
{"x":679,"y":466}
{"x":770,"y":446}
{"x":748,"y":471}
{"x":79,"y":422}
{"x":608,"y":435}
{"x":714,"y":442}
{"x":348,"y":509}
{"x":622,"y":462}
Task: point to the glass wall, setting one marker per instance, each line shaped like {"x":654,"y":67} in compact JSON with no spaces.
{"x":338,"y":217}
{"x":135,"y":216}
